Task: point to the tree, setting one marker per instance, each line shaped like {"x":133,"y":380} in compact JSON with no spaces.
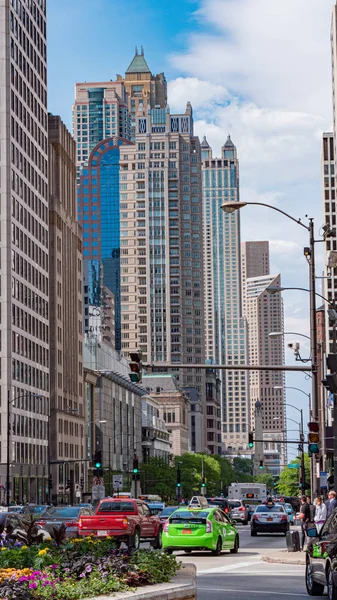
{"x":268,"y":479}
{"x":243,"y":465}
{"x":288,"y":484}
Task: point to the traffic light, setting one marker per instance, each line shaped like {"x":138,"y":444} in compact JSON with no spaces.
{"x":135,"y":366}
{"x":261,"y":464}
{"x":50,"y":482}
{"x":135,"y":470}
{"x":98,"y":463}
{"x":203,"y":482}
{"x":330,"y":381}
{"x":313,"y":437}
{"x":251,"y":439}
{"x":178,"y":478}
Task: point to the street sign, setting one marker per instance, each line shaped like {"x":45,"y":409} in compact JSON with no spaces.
{"x":117,"y":481}
{"x":296,"y":466}
{"x":324,"y":479}
{"x":98,"y":492}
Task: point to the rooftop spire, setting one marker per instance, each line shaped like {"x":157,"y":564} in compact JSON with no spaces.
{"x":204,"y":143}
{"x":229,"y":143}
{"x":138,"y":63}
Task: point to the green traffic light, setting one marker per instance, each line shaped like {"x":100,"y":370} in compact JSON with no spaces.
{"x":98,"y":465}
{"x":251,"y":445}
{"x":178,"y":484}
{"x":135,"y":470}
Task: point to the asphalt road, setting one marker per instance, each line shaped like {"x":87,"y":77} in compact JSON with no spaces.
{"x":245,"y":575}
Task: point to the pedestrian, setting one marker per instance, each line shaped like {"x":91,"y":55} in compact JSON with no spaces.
{"x":331,"y":503}
{"x":312,"y":509}
{"x":305,"y":518}
{"x":320,"y":514}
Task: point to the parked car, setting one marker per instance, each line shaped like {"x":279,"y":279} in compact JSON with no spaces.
{"x":34,"y":509}
{"x":127,"y":519}
{"x":166,"y":512}
{"x":200,"y":528}
{"x":269,"y":518}
{"x":321,"y":559}
{"x":69,"y":515}
{"x":238,"y":511}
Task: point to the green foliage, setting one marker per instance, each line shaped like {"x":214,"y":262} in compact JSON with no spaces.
{"x":266,"y":478}
{"x":288,"y":484}
{"x":159,"y":566}
{"x":243,"y":466}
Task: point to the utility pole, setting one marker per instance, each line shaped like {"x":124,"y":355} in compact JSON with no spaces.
{"x":259,"y":454}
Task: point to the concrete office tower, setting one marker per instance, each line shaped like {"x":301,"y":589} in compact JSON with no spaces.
{"x":329,"y":219}
{"x":100,"y":111}
{"x":143,"y":88}
{"x":65,"y":297}
{"x":24,"y":349}
{"x":264,"y":313}
{"x":226,"y":329}
{"x":100,"y":208}
{"x":162,"y":301}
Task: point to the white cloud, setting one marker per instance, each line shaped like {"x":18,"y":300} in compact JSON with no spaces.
{"x":201,"y":94}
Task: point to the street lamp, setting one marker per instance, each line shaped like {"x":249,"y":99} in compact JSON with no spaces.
{"x":274,"y":289}
{"x":309,"y":253}
{"x":276,"y":334}
{"x":9,"y":402}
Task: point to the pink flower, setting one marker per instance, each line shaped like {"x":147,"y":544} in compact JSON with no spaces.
{"x":33,"y":585}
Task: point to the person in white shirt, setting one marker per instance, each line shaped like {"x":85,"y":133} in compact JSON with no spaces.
{"x":320,"y":514}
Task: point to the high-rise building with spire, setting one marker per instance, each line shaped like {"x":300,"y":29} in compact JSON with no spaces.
{"x":225,"y":327}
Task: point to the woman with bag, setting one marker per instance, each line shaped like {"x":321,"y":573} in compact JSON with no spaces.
{"x":320,"y":514}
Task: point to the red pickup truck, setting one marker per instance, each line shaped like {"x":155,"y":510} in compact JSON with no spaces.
{"x":127,"y":519}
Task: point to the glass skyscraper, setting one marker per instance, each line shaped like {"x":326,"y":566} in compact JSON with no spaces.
{"x":99,"y":214}
{"x":226,"y":329}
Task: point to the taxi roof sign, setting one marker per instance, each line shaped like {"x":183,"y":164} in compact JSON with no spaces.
{"x":198,"y":502}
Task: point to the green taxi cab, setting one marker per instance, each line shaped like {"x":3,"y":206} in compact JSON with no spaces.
{"x":200,"y":527}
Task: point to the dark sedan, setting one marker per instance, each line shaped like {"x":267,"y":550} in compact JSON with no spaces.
{"x":321,"y":559}
{"x":166,"y":513}
{"x":69,"y":515}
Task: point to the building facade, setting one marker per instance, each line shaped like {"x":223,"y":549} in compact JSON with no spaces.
{"x":155,"y":435}
{"x":101,"y":193}
{"x":100,"y":111}
{"x":174,"y":407}
{"x":143,"y":88}
{"x":67,"y":414}
{"x":162,"y":300}
{"x":226,"y":328}
{"x":24,"y":350}
{"x":264,"y":313}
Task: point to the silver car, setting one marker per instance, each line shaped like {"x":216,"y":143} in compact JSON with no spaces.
{"x":238,"y":511}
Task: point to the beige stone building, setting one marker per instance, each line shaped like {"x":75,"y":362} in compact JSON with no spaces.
{"x":67,"y":414}
{"x":174,"y":406}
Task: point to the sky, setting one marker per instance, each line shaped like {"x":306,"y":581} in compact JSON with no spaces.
{"x":257,"y":69}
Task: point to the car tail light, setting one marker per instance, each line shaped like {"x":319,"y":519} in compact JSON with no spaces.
{"x":166,"y":524}
{"x":209,"y":526}
{"x":284,"y":518}
{"x":125,"y":523}
{"x":71,"y":523}
{"x":254,"y":518}
{"x":41,"y":522}
{"x":80,"y":524}
{"x":242,"y":509}
{"x":226,"y":511}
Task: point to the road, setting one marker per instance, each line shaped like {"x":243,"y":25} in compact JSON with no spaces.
{"x":245,"y":575}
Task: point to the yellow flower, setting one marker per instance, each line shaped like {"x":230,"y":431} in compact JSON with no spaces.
{"x":42,"y":552}
{"x":24,"y":547}
{"x":2,"y":549}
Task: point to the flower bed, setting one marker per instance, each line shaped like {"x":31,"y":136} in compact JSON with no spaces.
{"x":78,"y":568}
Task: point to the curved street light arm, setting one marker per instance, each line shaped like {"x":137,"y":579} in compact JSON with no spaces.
{"x":298,"y":221}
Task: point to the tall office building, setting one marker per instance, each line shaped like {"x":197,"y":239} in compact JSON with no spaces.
{"x":67,"y":412}
{"x":226,"y":331}
{"x":162,"y":301}
{"x":143,"y":88}
{"x":100,"y":111}
{"x":24,"y":350}
{"x":99,"y":212}
{"x":264,"y":314}
{"x":329,"y":219}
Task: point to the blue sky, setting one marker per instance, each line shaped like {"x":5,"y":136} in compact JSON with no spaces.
{"x":258,"y":69}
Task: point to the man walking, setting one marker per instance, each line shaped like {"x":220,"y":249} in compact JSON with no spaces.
{"x":331,"y":503}
{"x":305,"y":517}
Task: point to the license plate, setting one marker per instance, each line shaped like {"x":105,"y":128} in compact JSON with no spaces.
{"x":187,"y":531}
{"x":269,"y":519}
{"x":102,"y":533}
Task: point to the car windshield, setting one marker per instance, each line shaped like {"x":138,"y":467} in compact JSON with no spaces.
{"x":189,"y":516}
{"x":273,"y":509}
{"x":168,"y":511}
{"x":234,"y":504}
{"x":116,"y":507}
{"x":155,"y":510}
{"x":64,"y":513}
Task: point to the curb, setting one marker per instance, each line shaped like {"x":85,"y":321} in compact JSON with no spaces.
{"x":286,"y":558}
{"x":182,"y":587}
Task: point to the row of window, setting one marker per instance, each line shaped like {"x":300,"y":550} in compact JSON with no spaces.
{"x":21,"y":240}
{"x":27,"y":219}
{"x":30,"y":375}
{"x":28,"y":323}
{"x":26,"y":347}
{"x":24,"y":268}
{"x":29,"y":77}
{"x":20,"y":161}
{"x":32,"y":454}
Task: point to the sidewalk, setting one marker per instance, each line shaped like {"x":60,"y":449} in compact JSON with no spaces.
{"x":284,"y":557}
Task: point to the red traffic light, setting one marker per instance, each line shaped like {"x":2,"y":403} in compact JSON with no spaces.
{"x":313,"y":427}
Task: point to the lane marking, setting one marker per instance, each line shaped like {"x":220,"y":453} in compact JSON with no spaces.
{"x":260,"y":592}
{"x":230,"y":567}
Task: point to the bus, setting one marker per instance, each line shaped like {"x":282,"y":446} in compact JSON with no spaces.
{"x":253,"y":494}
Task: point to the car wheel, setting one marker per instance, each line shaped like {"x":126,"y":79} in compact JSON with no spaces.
{"x":313,"y":588}
{"x":135,"y":540}
{"x":235,"y":549}
{"x":332,"y":591}
{"x":157,"y":543}
{"x":187,"y":551}
{"x":253,"y":533}
{"x":218,"y":548}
